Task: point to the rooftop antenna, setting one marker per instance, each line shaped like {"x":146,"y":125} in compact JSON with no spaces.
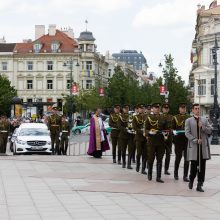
{"x":86,"y":22}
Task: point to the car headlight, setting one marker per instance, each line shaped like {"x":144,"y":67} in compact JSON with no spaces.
{"x":21,"y":142}
{"x":49,"y":142}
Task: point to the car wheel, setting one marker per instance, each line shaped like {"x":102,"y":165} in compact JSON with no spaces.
{"x":77,"y":131}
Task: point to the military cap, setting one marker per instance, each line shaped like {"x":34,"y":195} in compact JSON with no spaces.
{"x":165,"y":105}
{"x":156,"y":104}
{"x":182,"y":104}
{"x":148,"y":106}
{"x":116,"y":106}
{"x":140,"y":105}
{"x":125,"y":106}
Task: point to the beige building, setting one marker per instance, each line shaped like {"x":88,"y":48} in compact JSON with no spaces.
{"x":36,"y":68}
{"x":201,"y":79}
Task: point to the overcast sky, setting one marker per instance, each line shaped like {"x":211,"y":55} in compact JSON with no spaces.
{"x":155,"y":27}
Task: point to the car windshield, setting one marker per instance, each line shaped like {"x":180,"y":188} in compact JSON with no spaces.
{"x":33,"y":132}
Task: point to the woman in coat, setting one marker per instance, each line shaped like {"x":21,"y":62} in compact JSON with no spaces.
{"x":197,"y":130}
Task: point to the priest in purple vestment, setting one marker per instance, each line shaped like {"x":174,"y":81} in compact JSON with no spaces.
{"x":98,"y":141}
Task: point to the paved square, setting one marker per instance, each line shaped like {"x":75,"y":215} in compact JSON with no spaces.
{"x":81,"y":187}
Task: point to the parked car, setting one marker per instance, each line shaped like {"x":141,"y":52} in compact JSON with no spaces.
{"x":81,"y":129}
{"x":32,"y":138}
{"x":85,"y":129}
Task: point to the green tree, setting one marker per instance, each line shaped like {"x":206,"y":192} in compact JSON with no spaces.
{"x":178,"y":92}
{"x":7,"y":92}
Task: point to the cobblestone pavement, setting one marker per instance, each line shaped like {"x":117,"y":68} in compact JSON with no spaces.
{"x":44,"y":187}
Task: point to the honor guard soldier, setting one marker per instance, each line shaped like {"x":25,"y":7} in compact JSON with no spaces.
{"x":134,"y":150}
{"x":140,"y":140}
{"x":148,"y":110}
{"x":168,"y":136}
{"x":65,"y":133}
{"x":180,"y":141}
{"x":54,"y":125}
{"x":113,"y":123}
{"x":4,"y":131}
{"x":124,"y":136}
{"x":155,"y":126}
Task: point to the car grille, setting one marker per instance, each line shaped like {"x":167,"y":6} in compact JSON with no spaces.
{"x":36,"y":143}
{"x":36,"y":149}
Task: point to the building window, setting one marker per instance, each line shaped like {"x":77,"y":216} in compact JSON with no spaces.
{"x":29,"y":84}
{"x":30,"y":65}
{"x":49,"y":65}
{"x":4,"y":66}
{"x":54,"y":47}
{"x":213,"y":86}
{"x":39,"y":99}
{"x":88,"y":65}
{"x":88,"y":84}
{"x":68,"y":84}
{"x":202,"y":87}
{"x":37,"y":47}
{"x":49,"y":84}
{"x":109,"y":72}
{"x":29,"y":100}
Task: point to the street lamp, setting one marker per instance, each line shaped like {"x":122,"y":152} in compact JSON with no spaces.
{"x":166,"y":84}
{"x":69,"y":64}
{"x":215,"y":114}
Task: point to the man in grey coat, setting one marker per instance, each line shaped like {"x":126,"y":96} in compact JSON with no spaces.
{"x":197,"y":130}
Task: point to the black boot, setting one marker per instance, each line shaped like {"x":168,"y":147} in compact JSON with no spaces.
{"x":190,"y":184}
{"x":137,"y":164}
{"x":150,"y":170}
{"x":144,"y":167}
{"x":176,"y":168}
{"x":167,"y":165}
{"x":119,"y":159}
{"x":185,"y":171}
{"x":123,"y":161}
{"x":114,"y":160}
{"x":159,"y":169}
{"x":129,"y":163}
{"x":199,"y":187}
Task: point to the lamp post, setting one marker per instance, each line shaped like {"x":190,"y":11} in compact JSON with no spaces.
{"x":166,"y":85}
{"x":215,"y":115}
{"x":69,"y":64}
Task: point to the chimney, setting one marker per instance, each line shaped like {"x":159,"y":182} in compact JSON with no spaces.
{"x":2,"y":40}
{"x":52,"y":29}
{"x":68,"y":32}
{"x":39,"y":31}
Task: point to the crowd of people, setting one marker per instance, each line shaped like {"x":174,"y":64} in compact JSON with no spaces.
{"x":148,"y":134}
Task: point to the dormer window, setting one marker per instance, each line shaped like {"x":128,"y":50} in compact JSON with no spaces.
{"x":54,"y":47}
{"x":37,"y":47}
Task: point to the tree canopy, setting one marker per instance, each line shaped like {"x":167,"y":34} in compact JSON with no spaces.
{"x":7,"y":92}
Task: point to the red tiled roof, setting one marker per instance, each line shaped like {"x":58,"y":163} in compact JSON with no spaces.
{"x":67,"y":44}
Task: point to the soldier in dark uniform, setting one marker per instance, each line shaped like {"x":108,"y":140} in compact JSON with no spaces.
{"x":113,"y":123}
{"x":180,"y":141}
{"x":54,"y":125}
{"x":155,"y":125}
{"x":134,"y":150}
{"x":168,"y":136}
{"x":148,"y":110}
{"x":65,"y":133}
{"x":123,"y":135}
{"x":4,"y":131}
{"x":140,"y":140}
